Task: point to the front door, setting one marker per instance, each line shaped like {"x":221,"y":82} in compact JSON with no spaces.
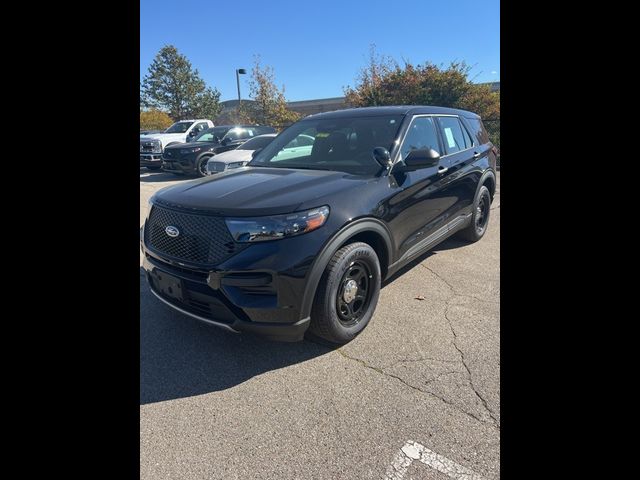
{"x":418,"y":211}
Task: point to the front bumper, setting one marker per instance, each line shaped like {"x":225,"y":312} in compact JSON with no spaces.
{"x":150,"y":159}
{"x":180,"y":164}
{"x":257,"y":301}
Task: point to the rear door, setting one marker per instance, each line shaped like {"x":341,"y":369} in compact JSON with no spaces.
{"x":461,"y":155}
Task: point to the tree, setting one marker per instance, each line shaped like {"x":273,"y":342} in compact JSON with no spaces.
{"x":154,"y":120}
{"x":384,"y":82}
{"x":172,"y":85}
{"x":270,"y":105}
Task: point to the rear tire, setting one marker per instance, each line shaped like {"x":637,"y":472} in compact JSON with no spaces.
{"x":480,"y":218}
{"x":347,"y":294}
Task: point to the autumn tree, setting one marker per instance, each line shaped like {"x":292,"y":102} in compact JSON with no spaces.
{"x":171,"y":84}
{"x":154,"y":120}
{"x":384,"y":82}
{"x":269,"y":106}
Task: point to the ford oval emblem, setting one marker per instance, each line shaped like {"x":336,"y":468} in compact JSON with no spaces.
{"x":172,"y":231}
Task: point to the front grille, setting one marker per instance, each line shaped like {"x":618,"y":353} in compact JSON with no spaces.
{"x":202,"y":239}
{"x":216,"y":166}
{"x":150,"y":146}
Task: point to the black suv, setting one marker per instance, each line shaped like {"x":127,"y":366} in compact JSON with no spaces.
{"x":302,"y":237}
{"x":192,"y":157}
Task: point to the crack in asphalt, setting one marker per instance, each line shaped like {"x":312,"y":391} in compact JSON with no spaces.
{"x":421,"y":359}
{"x":455,"y":344}
{"x":418,"y":389}
{"x":453,"y":290}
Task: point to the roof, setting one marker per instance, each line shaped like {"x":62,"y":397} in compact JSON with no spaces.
{"x":392,"y":110}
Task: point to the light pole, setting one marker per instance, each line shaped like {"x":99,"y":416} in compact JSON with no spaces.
{"x":239,"y":71}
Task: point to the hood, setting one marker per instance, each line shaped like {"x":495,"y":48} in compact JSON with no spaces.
{"x":252,"y":191}
{"x":191,"y":145}
{"x":166,"y":137}
{"x":233,"y":156}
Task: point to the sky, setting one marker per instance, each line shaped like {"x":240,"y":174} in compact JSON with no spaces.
{"x":317,"y":48}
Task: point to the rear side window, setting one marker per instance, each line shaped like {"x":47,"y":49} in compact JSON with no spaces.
{"x":421,"y":135}
{"x":477,"y":130}
{"x":452,"y":134}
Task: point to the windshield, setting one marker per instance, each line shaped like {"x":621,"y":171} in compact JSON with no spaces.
{"x":212,"y":134}
{"x":343,"y":144}
{"x":179,"y":127}
{"x":239,"y":134}
{"x":256,"y":143}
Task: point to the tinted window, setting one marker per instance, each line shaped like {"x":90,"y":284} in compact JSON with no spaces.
{"x":239,"y":134}
{"x":467,"y":138}
{"x":478,"y":130}
{"x":452,"y":134}
{"x":421,"y":135}
{"x":211,"y":134}
{"x":200,"y":127}
{"x":256,"y":143}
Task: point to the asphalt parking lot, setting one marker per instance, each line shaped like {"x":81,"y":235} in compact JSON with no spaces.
{"x":416,"y":395}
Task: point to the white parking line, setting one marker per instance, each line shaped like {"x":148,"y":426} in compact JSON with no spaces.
{"x":414,"y":451}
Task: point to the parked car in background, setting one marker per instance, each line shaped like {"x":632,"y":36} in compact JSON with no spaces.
{"x":152,"y":145}
{"x":148,"y":132}
{"x":282,"y":246}
{"x":192,"y":158}
{"x":298,"y":147}
{"x":239,"y":156}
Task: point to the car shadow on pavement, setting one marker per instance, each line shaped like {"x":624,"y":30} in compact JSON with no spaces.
{"x":450,"y":243}
{"x":181,"y":357}
{"x":155,"y":177}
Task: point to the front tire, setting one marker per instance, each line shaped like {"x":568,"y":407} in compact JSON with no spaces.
{"x":201,"y":167}
{"x":347,"y":294}
{"x":480,"y":218}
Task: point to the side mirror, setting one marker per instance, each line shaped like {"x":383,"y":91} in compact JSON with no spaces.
{"x":255,"y":152}
{"x":423,"y":158}
{"x":382,"y":156}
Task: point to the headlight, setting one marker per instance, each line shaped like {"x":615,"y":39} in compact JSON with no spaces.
{"x":259,"y":229}
{"x":235,"y":165}
{"x":190,"y":150}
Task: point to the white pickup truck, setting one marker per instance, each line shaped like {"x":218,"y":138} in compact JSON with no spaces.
{"x":152,"y":145}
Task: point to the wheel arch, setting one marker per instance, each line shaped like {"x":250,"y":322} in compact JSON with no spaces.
{"x":489,"y":180}
{"x":367,"y":230}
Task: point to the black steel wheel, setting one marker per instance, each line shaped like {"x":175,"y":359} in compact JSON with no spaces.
{"x":347,"y":294}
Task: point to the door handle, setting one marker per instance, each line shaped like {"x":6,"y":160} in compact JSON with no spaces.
{"x":443,"y":169}
{"x":476,"y":155}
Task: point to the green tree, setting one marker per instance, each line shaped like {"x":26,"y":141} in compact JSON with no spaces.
{"x":270,"y":105}
{"x":171,"y":84}
{"x":154,"y":120}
